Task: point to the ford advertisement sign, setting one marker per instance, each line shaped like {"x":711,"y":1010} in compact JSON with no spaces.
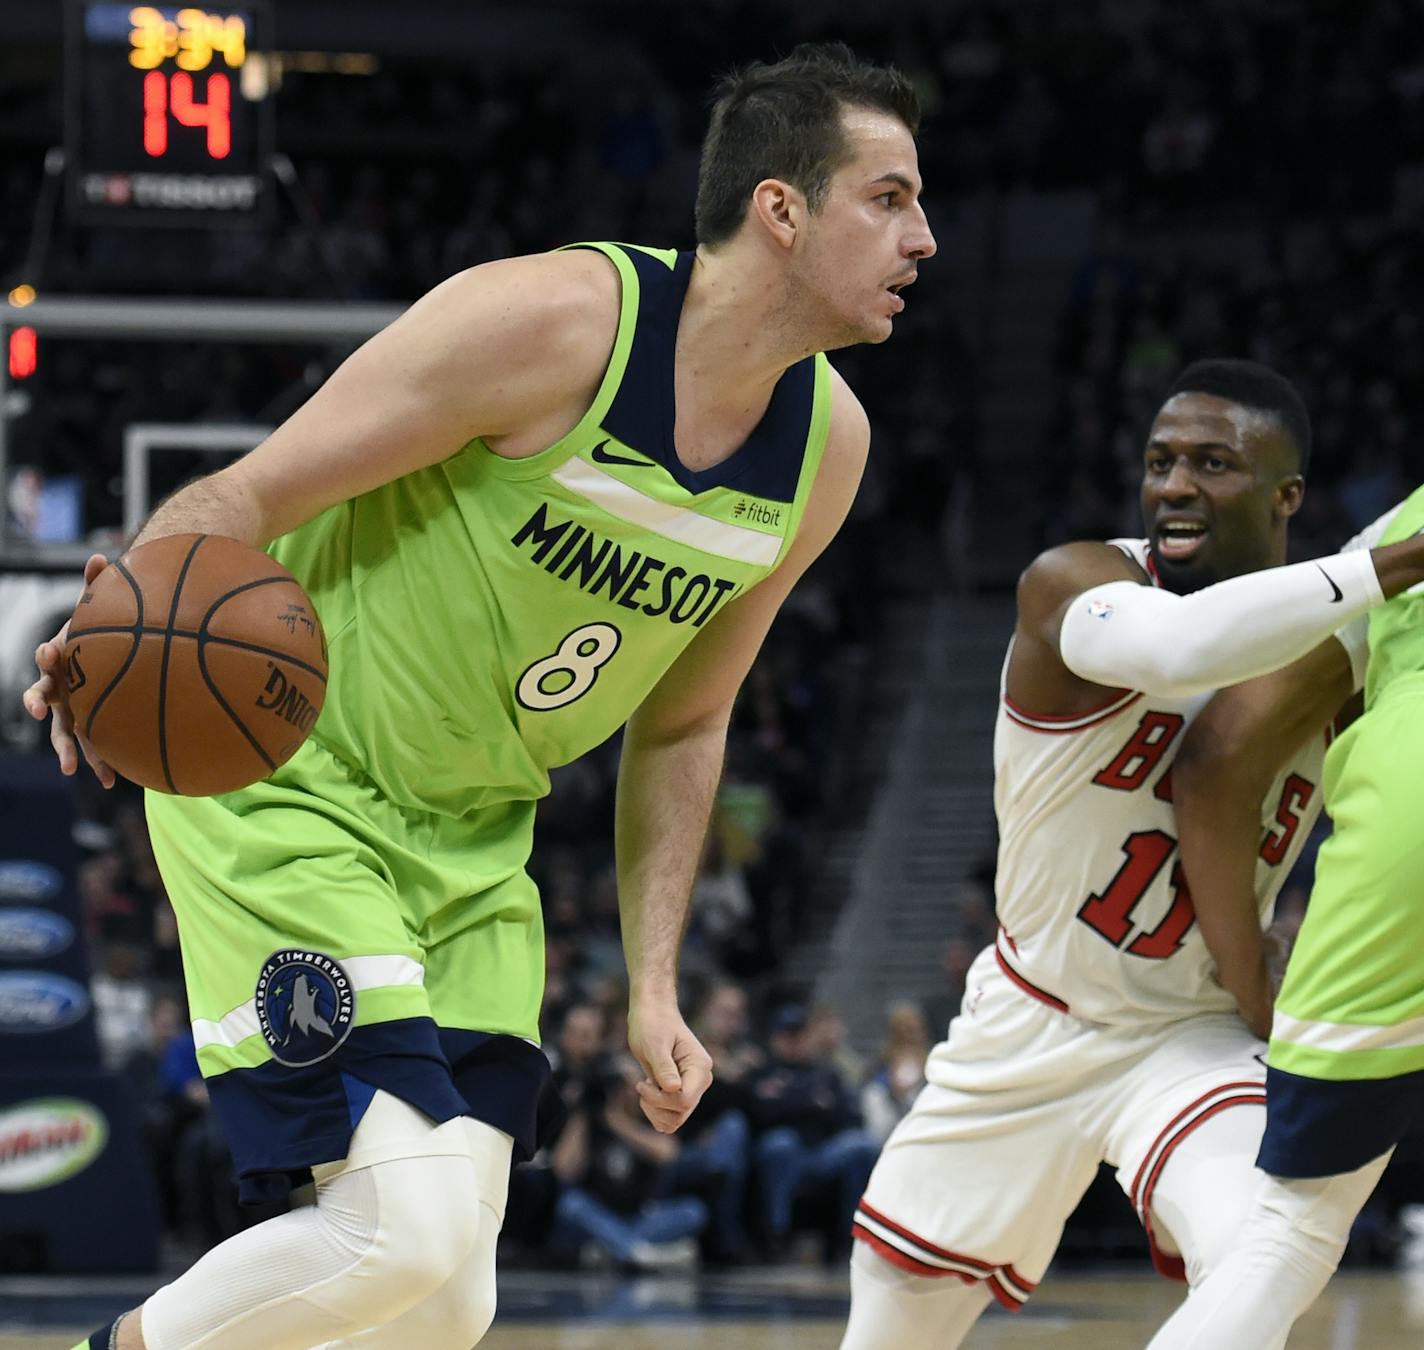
{"x":33,"y":934}
{"x":34,"y":1001}
{"x":26,"y":882}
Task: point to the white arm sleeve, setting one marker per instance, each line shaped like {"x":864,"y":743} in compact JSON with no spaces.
{"x":1355,"y":635}
{"x":1126,"y":635}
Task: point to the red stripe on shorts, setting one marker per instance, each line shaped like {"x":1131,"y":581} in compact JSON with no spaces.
{"x":898,"y":1258}
{"x":942,"y":1252}
{"x":1174,"y":1267}
{"x":1028,"y":987}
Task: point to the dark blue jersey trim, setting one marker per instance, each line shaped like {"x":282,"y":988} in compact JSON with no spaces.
{"x":281,"y":1121}
{"x":1318,"y":1127}
{"x":643,"y":414}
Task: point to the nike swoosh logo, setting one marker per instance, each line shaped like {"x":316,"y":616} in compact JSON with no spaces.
{"x":602,"y":455}
{"x":1339,"y":594}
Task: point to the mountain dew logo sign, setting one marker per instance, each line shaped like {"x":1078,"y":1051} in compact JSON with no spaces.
{"x":47,"y":1140}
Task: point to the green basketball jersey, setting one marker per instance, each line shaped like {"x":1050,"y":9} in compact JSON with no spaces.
{"x":1397,"y":628}
{"x":489,"y":619}
{"x":1352,"y":1002}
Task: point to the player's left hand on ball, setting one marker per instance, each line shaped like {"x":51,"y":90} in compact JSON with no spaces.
{"x":678,"y":1068}
{"x":48,"y":696}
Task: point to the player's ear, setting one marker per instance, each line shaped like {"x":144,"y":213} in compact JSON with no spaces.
{"x":1290,"y":493}
{"x":779,"y":209}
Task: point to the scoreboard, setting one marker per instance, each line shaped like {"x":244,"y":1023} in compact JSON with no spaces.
{"x":167,"y":118}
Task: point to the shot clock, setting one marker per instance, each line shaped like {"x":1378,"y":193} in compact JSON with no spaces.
{"x":167,"y":119}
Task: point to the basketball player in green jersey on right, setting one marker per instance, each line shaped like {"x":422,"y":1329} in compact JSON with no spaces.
{"x":1345,"y":1069}
{"x":563,"y":493}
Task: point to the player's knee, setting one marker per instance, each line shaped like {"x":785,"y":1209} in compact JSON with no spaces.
{"x":1311,"y":1241}
{"x":476,"y":1309}
{"x":459,"y":1313}
{"x":458,"y":1316}
{"x":427,"y":1217}
{"x":429,"y":1231}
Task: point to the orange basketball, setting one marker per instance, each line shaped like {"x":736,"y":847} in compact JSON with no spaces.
{"x":196,"y":664}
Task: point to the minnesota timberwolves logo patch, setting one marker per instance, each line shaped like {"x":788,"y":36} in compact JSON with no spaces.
{"x":305,"y":1005}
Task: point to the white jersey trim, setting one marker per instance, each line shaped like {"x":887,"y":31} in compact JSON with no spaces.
{"x":1062,"y":726}
{"x":1344,"y":1037}
{"x":366,"y":972}
{"x":718,"y":537}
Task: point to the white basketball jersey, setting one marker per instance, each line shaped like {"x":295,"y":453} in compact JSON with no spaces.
{"x":1094,"y":913}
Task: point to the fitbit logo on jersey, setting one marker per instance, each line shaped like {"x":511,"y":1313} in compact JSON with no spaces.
{"x":746,"y":509}
{"x":305,"y":1005}
{"x":283,"y":697}
{"x":633,"y":579}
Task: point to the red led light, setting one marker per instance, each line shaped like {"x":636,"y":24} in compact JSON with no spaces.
{"x":24,"y":352}
{"x":155,"y":113}
{"x":215,"y":114}
{"x":159,"y":98}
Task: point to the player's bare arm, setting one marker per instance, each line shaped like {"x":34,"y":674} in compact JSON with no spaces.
{"x":673,"y":749}
{"x":512,"y":351}
{"x":1228,"y":759}
{"x":1038,"y":678}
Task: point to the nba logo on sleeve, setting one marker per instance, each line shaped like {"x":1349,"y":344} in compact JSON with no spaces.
{"x":305,"y":1006}
{"x":1100,"y":609}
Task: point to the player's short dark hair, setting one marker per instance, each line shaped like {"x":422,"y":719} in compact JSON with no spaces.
{"x":1253,"y":386}
{"x":784,"y":121}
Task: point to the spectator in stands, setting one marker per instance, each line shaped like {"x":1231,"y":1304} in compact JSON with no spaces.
{"x":122,"y":1003}
{"x":716,"y":1154}
{"x":612,"y":1163}
{"x":826,"y":1041}
{"x":887,"y":1097}
{"x":578,"y":1052}
{"x":810,"y":1143}
{"x":163,"y":1114}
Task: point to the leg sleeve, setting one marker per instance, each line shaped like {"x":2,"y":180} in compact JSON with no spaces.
{"x":891,"y":1309}
{"x":1207,"y":1187}
{"x":1282,"y":1257}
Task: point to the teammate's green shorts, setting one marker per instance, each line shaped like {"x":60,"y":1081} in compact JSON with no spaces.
{"x":334,"y":943}
{"x":1346,"y":1061}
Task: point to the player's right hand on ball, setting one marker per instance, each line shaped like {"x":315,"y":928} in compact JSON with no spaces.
{"x":50,"y":695}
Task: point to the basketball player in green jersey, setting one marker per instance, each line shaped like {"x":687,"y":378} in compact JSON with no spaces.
{"x":1345,"y":1069}
{"x":562,"y":493}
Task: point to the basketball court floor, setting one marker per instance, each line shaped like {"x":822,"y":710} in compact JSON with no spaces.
{"x":784,"y":1309}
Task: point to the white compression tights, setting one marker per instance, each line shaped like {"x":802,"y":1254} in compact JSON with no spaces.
{"x":410,"y":1218}
{"x":1203,"y":1193}
{"x":1282,"y":1257}
{"x":891,"y":1309}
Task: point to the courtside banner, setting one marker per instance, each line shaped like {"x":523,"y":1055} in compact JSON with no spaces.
{"x":46,"y":1012}
{"x":77,"y":1194}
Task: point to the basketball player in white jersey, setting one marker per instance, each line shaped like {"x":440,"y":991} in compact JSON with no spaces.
{"x":1099,"y":1027}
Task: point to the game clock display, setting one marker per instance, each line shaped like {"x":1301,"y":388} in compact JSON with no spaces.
{"x":167,"y":117}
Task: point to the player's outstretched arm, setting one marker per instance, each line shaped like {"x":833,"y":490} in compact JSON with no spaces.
{"x":1230,"y":755}
{"x":1180,"y":645}
{"x":673,"y":750}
